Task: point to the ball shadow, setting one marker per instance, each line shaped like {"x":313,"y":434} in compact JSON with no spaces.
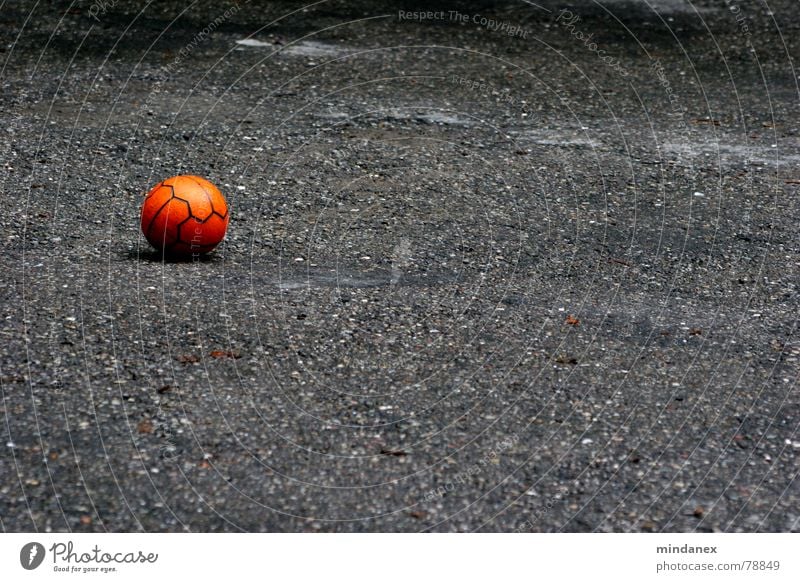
{"x":154,"y":256}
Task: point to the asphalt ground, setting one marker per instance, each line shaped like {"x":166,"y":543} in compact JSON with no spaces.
{"x":480,"y":275}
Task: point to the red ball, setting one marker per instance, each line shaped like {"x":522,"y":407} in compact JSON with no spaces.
{"x":184,"y":215}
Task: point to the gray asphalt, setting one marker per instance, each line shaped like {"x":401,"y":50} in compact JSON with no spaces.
{"x":479,"y":276}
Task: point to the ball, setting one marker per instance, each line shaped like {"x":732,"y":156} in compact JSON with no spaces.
{"x":184,"y":216}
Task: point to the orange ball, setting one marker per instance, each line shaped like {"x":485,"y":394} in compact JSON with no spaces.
{"x":184,"y":215}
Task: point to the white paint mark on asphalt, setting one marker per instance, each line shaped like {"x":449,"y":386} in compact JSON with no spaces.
{"x":395,"y":114}
{"x":557,"y":138}
{"x":253,"y":42}
{"x":732,"y":153}
{"x":292,"y":285}
{"x":312,"y":48}
{"x":436,"y":117}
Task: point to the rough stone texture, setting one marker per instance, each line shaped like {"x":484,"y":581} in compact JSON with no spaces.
{"x":475,"y":279}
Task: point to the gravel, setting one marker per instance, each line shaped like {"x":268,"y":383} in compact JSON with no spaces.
{"x":473,"y":280}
